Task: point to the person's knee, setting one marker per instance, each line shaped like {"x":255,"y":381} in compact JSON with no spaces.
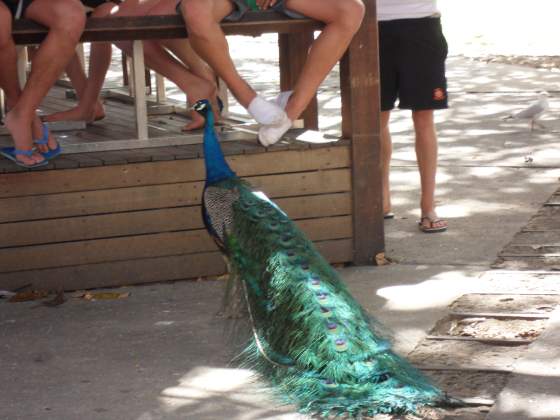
{"x":5,"y":27}
{"x":68,"y":16}
{"x":351,"y":14}
{"x":105,"y":9}
{"x":197,"y":15}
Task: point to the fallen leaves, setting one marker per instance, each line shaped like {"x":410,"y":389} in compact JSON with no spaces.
{"x":93,"y":296}
{"x":28,"y":296}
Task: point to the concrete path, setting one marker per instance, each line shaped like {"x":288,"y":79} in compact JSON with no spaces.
{"x":162,"y":353}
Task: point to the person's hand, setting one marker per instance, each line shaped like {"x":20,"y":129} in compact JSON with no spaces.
{"x":265,"y":4}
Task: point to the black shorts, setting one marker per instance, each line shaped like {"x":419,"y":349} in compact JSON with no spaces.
{"x":94,"y":3}
{"x":240,"y":7}
{"x":412,"y":55}
{"x":13,"y":6}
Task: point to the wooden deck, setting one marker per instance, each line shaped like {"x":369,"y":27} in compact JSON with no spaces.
{"x":133,"y":216}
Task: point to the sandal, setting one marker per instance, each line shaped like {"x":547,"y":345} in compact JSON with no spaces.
{"x":11,"y":153}
{"x":52,"y":153}
{"x":432,"y":222}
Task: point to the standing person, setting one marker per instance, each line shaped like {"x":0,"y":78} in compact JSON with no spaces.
{"x":412,"y":53}
{"x":342,"y":19}
{"x":65,"y":22}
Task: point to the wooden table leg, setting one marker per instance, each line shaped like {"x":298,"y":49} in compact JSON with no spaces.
{"x":139,"y":79}
{"x":359,"y":80}
{"x":22,"y":60}
{"x":293,"y":53}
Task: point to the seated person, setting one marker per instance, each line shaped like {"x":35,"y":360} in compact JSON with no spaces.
{"x":342,"y":19}
{"x":187,"y":71}
{"x":65,"y":21}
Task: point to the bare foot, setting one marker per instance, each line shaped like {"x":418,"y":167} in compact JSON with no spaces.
{"x":37,"y":130}
{"x":20,"y":129}
{"x":197,"y":121}
{"x":78,"y":113}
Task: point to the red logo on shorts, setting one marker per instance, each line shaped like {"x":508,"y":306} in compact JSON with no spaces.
{"x":439,"y":94}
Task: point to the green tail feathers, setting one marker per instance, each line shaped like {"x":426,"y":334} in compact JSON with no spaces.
{"x":312,"y":340}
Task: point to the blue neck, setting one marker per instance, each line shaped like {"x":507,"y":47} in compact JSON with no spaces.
{"x":217,"y":168}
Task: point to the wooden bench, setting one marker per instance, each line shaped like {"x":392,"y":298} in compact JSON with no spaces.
{"x":359,"y":111}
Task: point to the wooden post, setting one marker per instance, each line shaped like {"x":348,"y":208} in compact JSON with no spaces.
{"x":223,"y":94}
{"x":139,"y":82}
{"x":124,"y":63}
{"x":293,"y":49}
{"x":160,"y":89}
{"x":359,"y":80}
{"x":130,"y":76}
{"x":2,"y":105}
{"x":22,"y":60}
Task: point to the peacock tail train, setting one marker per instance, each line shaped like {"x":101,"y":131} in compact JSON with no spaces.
{"x":312,"y":341}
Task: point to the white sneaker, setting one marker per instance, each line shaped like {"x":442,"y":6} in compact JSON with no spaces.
{"x":270,"y":134}
{"x":265,"y":112}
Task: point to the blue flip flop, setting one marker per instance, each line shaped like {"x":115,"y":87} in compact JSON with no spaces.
{"x":11,"y":153}
{"x":52,"y":153}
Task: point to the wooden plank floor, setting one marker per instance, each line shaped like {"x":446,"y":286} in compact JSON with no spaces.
{"x":133,"y":216}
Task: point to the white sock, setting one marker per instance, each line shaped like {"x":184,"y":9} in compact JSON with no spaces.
{"x":283,"y":97}
{"x":270,"y":134}
{"x":265,"y":112}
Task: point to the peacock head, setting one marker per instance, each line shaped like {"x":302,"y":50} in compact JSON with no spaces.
{"x":204,"y":108}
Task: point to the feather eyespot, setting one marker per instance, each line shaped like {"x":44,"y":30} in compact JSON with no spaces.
{"x":304,"y":266}
{"x":340,"y":344}
{"x":273,"y":226}
{"x":322,"y":296}
{"x":290,"y":253}
{"x":332,"y":327}
{"x":315,"y":284}
{"x":327,"y":383}
{"x":325,"y":312}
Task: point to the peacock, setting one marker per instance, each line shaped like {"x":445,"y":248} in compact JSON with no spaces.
{"x":312,"y":341}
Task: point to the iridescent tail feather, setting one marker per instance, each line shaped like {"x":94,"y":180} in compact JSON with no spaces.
{"x":311,"y":340}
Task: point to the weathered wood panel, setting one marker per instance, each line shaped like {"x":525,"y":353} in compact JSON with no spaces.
{"x":144,"y":270}
{"x":143,"y":246}
{"x":155,"y":173}
{"x":151,"y":221}
{"x":39,"y":207}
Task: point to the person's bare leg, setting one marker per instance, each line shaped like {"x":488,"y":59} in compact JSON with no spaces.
{"x":202,"y":19}
{"x":426,"y":154}
{"x":386,"y":152}
{"x":342,"y":19}
{"x":83,"y":111}
{"x":65,"y":20}
{"x":158,"y":59}
{"x":181,"y":48}
{"x":9,"y":82}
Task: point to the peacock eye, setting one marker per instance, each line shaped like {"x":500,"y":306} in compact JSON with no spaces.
{"x":340,"y":344}
{"x":325,"y":312}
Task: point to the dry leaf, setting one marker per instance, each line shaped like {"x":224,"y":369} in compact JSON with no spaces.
{"x":381,"y":260}
{"x":105,"y":295}
{"x":28,"y":296}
